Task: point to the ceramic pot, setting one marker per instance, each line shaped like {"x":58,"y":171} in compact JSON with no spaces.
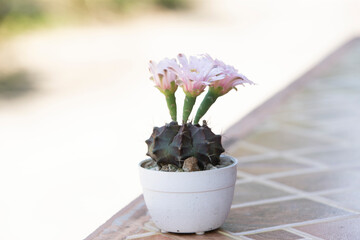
{"x":189,"y":202}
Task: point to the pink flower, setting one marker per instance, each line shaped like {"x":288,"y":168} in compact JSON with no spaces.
{"x":163,"y":78}
{"x":195,"y":74}
{"x":229,"y":79}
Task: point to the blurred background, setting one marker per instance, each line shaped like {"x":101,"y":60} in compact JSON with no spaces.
{"x":76,"y":102}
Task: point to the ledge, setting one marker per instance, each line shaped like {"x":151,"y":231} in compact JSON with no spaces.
{"x":298,"y":157}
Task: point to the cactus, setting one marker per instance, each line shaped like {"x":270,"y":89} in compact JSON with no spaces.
{"x":172,"y":144}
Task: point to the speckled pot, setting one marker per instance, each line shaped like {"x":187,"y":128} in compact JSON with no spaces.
{"x":189,"y":202}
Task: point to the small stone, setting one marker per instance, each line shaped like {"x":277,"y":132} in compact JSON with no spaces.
{"x":220,"y":166}
{"x":225,"y":162}
{"x":156,"y":168}
{"x":190,"y":165}
{"x":169,"y":168}
{"x":209,"y":166}
{"x":151,"y":164}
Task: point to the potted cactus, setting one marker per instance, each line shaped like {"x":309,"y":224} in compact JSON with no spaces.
{"x":188,"y":184}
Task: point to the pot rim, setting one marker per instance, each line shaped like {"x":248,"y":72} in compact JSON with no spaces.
{"x":235,"y":162}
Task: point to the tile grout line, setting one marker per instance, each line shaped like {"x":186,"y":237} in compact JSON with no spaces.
{"x":332,"y":204}
{"x":292,"y":154}
{"x":296,"y":151}
{"x":283,"y":226}
{"x":303,"y":160}
{"x":141,"y":235}
{"x":293,"y":172}
{"x":310,"y":133}
{"x":232,"y":236}
{"x":242,"y":144}
{"x":315,"y":169}
{"x":307,"y":195}
{"x":242,"y":180}
{"x":245,"y":238}
{"x":256,"y":147}
{"x":148,"y":227}
{"x":309,"y":150}
{"x":286,"y":198}
{"x":265,"y":201}
{"x":302,"y":234}
{"x":299,"y":192}
{"x":258,"y":157}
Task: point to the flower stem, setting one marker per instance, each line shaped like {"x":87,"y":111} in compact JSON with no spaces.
{"x":171,"y":103}
{"x":208,"y":100}
{"x":188,"y":106}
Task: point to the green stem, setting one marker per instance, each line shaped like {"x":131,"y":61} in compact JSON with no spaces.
{"x":171,"y":103}
{"x":208,"y":100}
{"x":188,"y":106}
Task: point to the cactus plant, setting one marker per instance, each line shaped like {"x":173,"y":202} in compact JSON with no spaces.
{"x":174,"y":143}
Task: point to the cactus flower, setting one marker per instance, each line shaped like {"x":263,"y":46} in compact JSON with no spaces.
{"x":194,"y":75}
{"x":229,"y":79}
{"x":163,"y":78}
{"x":165,"y":81}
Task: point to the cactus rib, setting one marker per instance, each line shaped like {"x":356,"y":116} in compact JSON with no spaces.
{"x":173,"y":144}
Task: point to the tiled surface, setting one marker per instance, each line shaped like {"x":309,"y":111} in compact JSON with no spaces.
{"x":242,"y":151}
{"x":319,"y":181}
{"x":299,"y":171}
{"x":268,"y":166}
{"x":335,"y":230}
{"x":278,"y":213}
{"x":274,"y":235}
{"x":348,"y":198}
{"x":349,"y":156}
{"x":214,"y":235}
{"x":252,"y":191}
{"x":278,"y":139}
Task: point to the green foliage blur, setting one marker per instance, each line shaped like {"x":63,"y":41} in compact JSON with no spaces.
{"x":20,"y":15}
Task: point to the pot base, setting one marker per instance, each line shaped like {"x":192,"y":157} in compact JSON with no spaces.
{"x":197,"y":233}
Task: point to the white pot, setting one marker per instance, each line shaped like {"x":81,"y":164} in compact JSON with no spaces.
{"x":188,"y":202}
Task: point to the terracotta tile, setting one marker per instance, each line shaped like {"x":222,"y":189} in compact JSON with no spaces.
{"x":157,"y":237}
{"x":338,"y":157}
{"x":269,"y":166}
{"x":278,"y":213}
{"x":213,"y":235}
{"x":274,"y":235}
{"x":117,"y":228}
{"x":349,"y":199}
{"x":318,"y":181}
{"x":281,"y":140}
{"x":252,"y":191}
{"x":141,"y":231}
{"x":335,"y":230}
